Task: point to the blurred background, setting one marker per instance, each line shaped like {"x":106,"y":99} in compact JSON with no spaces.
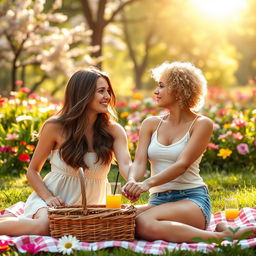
{"x":42,"y":42}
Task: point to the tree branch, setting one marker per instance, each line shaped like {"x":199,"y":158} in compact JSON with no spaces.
{"x":87,"y":13}
{"x":37,"y":84}
{"x":100,"y":12}
{"x":119,"y":9}
{"x":128,"y":41}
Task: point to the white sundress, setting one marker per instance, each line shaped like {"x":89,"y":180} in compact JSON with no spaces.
{"x":63,"y":181}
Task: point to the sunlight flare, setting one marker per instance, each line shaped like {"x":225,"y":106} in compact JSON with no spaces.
{"x":221,"y":9}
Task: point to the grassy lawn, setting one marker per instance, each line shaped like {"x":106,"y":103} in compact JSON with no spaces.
{"x":221,"y":185}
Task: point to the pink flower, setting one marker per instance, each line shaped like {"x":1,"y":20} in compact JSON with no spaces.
{"x":133,"y":106}
{"x":213,"y":146}
{"x":216,"y":126}
{"x":134,"y":137}
{"x":7,"y":149}
{"x":237,"y":136}
{"x":242,"y":148}
{"x":12,"y":136}
{"x":4,"y":246}
{"x":239,"y":122}
{"x":222,"y":136}
{"x":33,"y":96}
{"x":241,"y":96}
{"x":221,"y":112}
{"x":25,"y":90}
{"x":31,"y":248}
{"x":121,"y":104}
{"x":24,"y":157}
{"x":19,"y":83}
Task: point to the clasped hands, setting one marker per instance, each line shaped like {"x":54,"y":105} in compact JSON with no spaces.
{"x":132,"y":189}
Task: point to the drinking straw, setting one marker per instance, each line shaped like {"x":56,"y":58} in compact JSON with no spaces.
{"x":117,"y":176}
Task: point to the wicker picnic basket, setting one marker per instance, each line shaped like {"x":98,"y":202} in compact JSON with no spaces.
{"x":92,"y":223}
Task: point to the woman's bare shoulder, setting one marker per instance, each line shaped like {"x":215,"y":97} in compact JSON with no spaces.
{"x":52,"y":128}
{"x":151,"y":122}
{"x":204,"y":120}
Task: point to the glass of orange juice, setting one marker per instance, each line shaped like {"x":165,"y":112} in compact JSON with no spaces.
{"x":231,"y":208}
{"x":113,"y":195}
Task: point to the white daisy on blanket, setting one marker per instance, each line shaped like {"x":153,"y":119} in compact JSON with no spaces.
{"x":67,"y":244}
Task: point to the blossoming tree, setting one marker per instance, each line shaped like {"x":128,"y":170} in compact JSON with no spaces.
{"x":30,"y":36}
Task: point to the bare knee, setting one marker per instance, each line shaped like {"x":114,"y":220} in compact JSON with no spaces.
{"x":146,"y":228}
{"x":41,"y":222}
{"x":41,"y":227}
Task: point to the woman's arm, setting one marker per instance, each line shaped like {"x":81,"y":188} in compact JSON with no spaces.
{"x":200,"y":137}
{"x":121,"y":149}
{"x":47,"y":141}
{"x":139,"y":165}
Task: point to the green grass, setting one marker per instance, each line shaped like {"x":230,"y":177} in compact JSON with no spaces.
{"x":221,"y":185}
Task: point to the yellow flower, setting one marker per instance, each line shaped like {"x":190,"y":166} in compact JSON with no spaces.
{"x":224,"y":153}
{"x":124,"y":114}
{"x":137,"y":96}
{"x":227,"y":126}
{"x":130,"y":146}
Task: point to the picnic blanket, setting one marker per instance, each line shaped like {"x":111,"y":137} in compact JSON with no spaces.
{"x":247,"y":217}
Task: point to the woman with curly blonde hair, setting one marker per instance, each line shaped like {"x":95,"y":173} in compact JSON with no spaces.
{"x":179,"y":207}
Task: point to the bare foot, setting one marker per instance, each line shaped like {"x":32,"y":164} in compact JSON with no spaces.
{"x":224,"y":228}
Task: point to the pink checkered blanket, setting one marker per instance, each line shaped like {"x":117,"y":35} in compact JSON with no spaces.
{"x":247,"y":217}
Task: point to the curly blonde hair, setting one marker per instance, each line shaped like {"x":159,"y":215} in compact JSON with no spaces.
{"x":185,"y":80}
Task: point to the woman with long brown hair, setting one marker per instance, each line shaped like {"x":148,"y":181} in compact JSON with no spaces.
{"x":83,"y":134}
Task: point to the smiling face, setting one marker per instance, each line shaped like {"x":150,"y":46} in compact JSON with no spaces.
{"x":165,"y":97}
{"x":101,"y":97}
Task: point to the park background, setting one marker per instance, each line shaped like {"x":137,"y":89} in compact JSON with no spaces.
{"x":43,"y":42}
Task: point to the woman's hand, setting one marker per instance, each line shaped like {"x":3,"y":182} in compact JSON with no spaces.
{"x":132,"y":189}
{"x":54,"y":201}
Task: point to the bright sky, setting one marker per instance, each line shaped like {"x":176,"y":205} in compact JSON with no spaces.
{"x":221,"y":9}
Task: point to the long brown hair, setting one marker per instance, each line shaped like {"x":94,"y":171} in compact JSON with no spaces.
{"x":79,"y":93}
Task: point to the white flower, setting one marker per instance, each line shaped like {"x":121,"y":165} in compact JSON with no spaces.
{"x":67,"y":244}
{"x":23,"y":118}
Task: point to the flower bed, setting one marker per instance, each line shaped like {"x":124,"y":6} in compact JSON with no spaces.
{"x":233,"y":144}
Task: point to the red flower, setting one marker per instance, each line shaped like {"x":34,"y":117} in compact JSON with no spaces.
{"x":24,"y":157}
{"x":23,"y":143}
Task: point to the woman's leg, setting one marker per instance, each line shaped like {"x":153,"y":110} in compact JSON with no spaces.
{"x":142,"y":207}
{"x":14,"y":226}
{"x":177,"y":222}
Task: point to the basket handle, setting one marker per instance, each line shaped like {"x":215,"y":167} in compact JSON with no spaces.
{"x":82,"y":184}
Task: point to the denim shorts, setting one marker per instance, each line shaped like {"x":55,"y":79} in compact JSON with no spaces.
{"x":199,"y":195}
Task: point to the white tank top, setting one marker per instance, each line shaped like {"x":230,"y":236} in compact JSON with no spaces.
{"x":162,"y":157}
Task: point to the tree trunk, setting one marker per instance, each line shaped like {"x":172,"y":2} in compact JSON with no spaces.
{"x":23,"y":75}
{"x":97,"y":40}
{"x":138,"y":78}
{"x":14,"y":73}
